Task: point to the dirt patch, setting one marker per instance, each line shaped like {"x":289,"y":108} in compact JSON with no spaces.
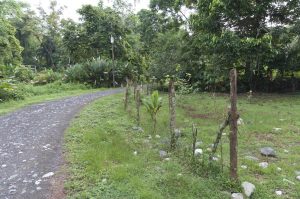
{"x":202,"y":116}
{"x":192,"y":112}
{"x":187,"y":108}
{"x":57,"y":185}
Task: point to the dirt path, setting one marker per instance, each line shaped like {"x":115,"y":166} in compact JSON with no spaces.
{"x":31,"y":145}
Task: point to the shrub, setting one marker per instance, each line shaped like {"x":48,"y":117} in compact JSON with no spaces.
{"x":153,"y":105}
{"x":46,"y":76}
{"x":96,"y":72}
{"x":8,"y":91}
{"x":23,"y":74}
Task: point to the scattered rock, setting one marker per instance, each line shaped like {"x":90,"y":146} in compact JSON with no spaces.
{"x":298,"y":178}
{"x":198,"y":152}
{"x":248,"y":188}
{"x":35,"y":175}
{"x":240,"y":121}
{"x":12,"y":187}
{"x":37,"y":182}
{"x":279,"y":169}
{"x":215,"y":158}
{"x":244,"y":167}
{"x":277,"y":129}
{"x":278,"y":192}
{"x":104,"y":180}
{"x":135,"y":153}
{"x":3,"y":165}
{"x":177,"y":133}
{"x":137,"y":128}
{"x":179,"y":174}
{"x":163,"y":154}
{"x":38,"y":188}
{"x":263,"y":165}
{"x":286,"y":151}
{"x":252,"y":158}
{"x":167,"y":159}
{"x":268,"y":151}
{"x":47,"y":175}
{"x":12,"y":177}
{"x":157,"y":136}
{"x":237,"y":196}
{"x":12,"y":191}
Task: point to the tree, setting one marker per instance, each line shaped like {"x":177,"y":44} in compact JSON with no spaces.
{"x":153,"y":105}
{"x":51,"y":43}
{"x":28,"y":32}
{"x":10,"y":48}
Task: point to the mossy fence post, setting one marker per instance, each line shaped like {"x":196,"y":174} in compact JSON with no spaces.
{"x":126,"y":94}
{"x":138,"y":105}
{"x":172,"y":107}
{"x":233,"y":124}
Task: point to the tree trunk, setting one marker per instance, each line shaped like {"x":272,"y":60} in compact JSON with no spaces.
{"x":172,"y":106}
{"x":233,"y":124}
{"x":154,"y":124}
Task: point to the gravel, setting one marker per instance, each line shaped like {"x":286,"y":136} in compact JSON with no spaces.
{"x":31,"y":145}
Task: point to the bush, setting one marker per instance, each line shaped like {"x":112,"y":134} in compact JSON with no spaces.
{"x":96,"y":72}
{"x":9,"y":91}
{"x":51,"y":88}
{"x":46,"y":76}
{"x":23,"y":74}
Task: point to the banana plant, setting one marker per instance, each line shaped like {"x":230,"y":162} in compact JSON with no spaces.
{"x":153,"y":105}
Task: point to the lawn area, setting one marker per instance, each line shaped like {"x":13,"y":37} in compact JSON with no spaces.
{"x":108,"y":158}
{"x":35,"y":94}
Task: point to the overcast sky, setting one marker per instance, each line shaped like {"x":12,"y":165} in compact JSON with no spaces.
{"x":73,"y":5}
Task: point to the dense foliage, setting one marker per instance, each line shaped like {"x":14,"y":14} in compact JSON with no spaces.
{"x":196,"y":41}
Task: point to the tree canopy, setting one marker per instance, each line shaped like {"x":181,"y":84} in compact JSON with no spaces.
{"x":197,"y":41}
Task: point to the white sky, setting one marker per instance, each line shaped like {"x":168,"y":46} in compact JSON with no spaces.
{"x":73,"y":5}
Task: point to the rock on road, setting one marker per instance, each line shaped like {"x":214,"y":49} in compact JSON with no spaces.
{"x":31,"y":145}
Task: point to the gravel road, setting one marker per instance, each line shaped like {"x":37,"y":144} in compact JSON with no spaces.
{"x":31,"y":146}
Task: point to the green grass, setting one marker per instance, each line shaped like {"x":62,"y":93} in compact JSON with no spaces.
{"x":35,"y":94}
{"x":100,"y":144}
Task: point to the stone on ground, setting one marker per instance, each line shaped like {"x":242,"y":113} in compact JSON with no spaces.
{"x":248,"y":188}
{"x":298,"y":178}
{"x":163,"y":154}
{"x":268,"y":151}
{"x":47,"y":175}
{"x":198,"y":152}
{"x":177,"y":133}
{"x":237,"y":196}
{"x":278,"y":193}
{"x":263,"y":165}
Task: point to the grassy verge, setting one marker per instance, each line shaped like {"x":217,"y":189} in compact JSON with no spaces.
{"x":36,"y":94}
{"x":101,"y":144}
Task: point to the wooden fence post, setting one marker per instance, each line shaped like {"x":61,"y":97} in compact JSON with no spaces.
{"x":138,"y":105}
{"x":172,"y":104}
{"x":233,"y":124}
{"x":126,"y":94}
